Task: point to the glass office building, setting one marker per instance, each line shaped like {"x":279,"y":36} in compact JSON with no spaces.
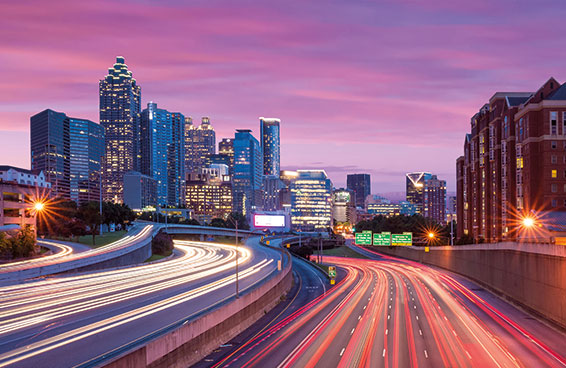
{"x":360,"y":184}
{"x":270,"y":145}
{"x":162,"y":151}
{"x":248,"y":170}
{"x":200,"y":143}
{"x":311,"y":201}
{"x":120,"y":100}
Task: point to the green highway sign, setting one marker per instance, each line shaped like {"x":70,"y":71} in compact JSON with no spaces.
{"x":382,"y":239}
{"x":363,"y":238}
{"x":332,"y":272}
{"x":402,"y":239}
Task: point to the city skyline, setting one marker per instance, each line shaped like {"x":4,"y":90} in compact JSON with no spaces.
{"x":341,"y":106}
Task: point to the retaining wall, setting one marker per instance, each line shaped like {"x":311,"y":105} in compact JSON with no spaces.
{"x":535,"y":281}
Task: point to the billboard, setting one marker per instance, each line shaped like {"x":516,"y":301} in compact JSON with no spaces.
{"x":269,"y":220}
{"x":363,"y":238}
{"x":383,"y":238}
{"x":402,"y":239}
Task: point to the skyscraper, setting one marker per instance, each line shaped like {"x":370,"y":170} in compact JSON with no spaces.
{"x":120,"y":100}
{"x":311,"y":201}
{"x":428,"y":194}
{"x":69,"y":151}
{"x":162,"y":151}
{"x":200,"y":142}
{"x":50,"y":144}
{"x":248,"y":170}
{"x":86,"y":148}
{"x":271,"y":145}
{"x":360,"y":184}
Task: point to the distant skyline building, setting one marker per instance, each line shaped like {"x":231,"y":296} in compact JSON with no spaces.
{"x":162,"y":152}
{"x":140,"y":191}
{"x":200,"y":143}
{"x":377,"y":205}
{"x":343,"y":206}
{"x":70,"y":152}
{"x":311,"y":201}
{"x":428,"y":193}
{"x":209,"y":195}
{"x":360,"y":184}
{"x":49,"y":146}
{"x":86,"y":155}
{"x":248,"y":172}
{"x":120,"y":102}
{"x":226,"y":148}
{"x":270,"y":145}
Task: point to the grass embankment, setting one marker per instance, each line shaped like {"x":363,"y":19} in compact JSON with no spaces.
{"x":157,"y":257}
{"x":343,"y":252}
{"x":101,"y":240}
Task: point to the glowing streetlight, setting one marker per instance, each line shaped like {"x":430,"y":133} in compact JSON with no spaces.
{"x":528,"y":222}
{"x":431,"y":235}
{"x":38,"y":206}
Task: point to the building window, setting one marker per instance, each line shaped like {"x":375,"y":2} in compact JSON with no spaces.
{"x":553,"y":123}
{"x":564,"y":188}
{"x":553,"y":188}
{"x":564,"y":124}
{"x":554,"y":203}
{"x":553,"y":144}
{"x":554,"y":174}
{"x":553,"y":159}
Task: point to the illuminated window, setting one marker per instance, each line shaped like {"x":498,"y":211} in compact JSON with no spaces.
{"x":554,"y":173}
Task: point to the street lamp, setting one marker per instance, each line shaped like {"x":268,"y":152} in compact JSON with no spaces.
{"x":38,"y":206}
{"x":528,"y":222}
{"x":431,"y":235}
{"x":235,"y":222}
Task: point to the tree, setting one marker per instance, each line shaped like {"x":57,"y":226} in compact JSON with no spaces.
{"x":218,"y":222}
{"x":240,"y":219}
{"x":89,"y":213}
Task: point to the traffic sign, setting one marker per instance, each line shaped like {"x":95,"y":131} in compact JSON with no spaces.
{"x":363,"y":238}
{"x":382,"y":239}
{"x":402,"y":239}
{"x":332,"y":272}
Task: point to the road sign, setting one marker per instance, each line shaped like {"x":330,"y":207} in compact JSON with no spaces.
{"x":382,"y":239}
{"x":402,"y":239}
{"x":363,"y":238}
{"x":426,"y":249}
{"x":332,"y":272}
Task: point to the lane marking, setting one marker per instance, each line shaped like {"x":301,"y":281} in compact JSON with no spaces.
{"x":359,"y":317}
{"x":420,"y":332}
{"x":342,"y":352}
{"x":352,"y":331}
{"x":384,"y":353}
{"x":387,"y":331}
{"x":425,"y":354}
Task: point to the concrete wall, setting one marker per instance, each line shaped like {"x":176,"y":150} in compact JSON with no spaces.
{"x":192,"y":341}
{"x":535,"y":281}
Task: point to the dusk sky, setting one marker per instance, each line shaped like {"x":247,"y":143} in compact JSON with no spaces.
{"x":381,"y":87}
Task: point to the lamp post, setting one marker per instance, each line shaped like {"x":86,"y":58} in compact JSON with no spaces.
{"x":235,"y":222}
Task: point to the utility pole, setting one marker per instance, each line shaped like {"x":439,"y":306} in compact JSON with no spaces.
{"x":100,"y":197}
{"x":237,"y":256}
{"x":452,"y":232}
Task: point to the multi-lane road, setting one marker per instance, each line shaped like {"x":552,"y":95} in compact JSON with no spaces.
{"x":83,"y":318}
{"x":386,"y":312}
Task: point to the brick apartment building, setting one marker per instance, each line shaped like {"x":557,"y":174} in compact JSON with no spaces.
{"x":514,"y":163}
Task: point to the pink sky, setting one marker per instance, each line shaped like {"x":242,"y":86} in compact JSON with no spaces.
{"x":383,"y":87}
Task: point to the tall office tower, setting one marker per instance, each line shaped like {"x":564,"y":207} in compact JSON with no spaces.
{"x":428,"y":194}
{"x":513,"y":164}
{"x":311,"y":201}
{"x":69,"y":151}
{"x":248,"y":170}
{"x":120,"y":101}
{"x":271,"y":145}
{"x":200,"y":142}
{"x":140,"y":191}
{"x":49,"y":144}
{"x":162,"y":151}
{"x":360,"y":184}
{"x":226,"y":147}
{"x":286,"y":177}
{"x":86,"y":154}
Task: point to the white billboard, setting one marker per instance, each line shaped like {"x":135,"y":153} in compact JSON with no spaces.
{"x":269,"y":220}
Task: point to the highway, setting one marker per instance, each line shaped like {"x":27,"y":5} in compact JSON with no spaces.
{"x":77,"y":319}
{"x":387,"y":312}
{"x":67,"y":258}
